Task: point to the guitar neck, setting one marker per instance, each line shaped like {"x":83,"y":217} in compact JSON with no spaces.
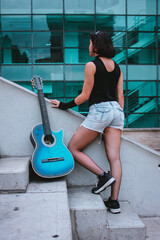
{"x":44,"y":113}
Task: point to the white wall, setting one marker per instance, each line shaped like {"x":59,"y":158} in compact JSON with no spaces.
{"x":19,"y":113}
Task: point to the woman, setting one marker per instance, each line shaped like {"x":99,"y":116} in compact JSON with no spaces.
{"x":103,"y":86}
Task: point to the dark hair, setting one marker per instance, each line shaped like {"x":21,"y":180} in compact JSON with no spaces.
{"x":102,"y":44}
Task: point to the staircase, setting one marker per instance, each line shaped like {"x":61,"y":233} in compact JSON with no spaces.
{"x":49,"y":210}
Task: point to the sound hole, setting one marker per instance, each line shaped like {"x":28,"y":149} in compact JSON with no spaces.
{"x":49,"y":139}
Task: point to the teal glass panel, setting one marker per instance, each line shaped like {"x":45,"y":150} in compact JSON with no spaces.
{"x":47,"y":6}
{"x":118,"y":39}
{"x":158,"y":40}
{"x":120,"y":57}
{"x":77,"y":39}
{"x":142,"y":105}
{"x":74,"y":72}
{"x":142,"y":89}
{"x":146,"y":7}
{"x":158,"y":88}
{"x":17,"y":73}
{"x":24,"y":84}
{"x":142,"y":39}
{"x":48,"y":22}
{"x":141,"y":23}
{"x":79,"y":6}
{"x":159,"y":72}
{"x":75,"y":55}
{"x":79,"y":23}
{"x":110,"y":23}
{"x":110,"y":7}
{"x":49,"y":72}
{"x":14,"y":23}
{"x":57,"y":89}
{"x":123,"y":69}
{"x":142,"y":120}
{"x":15,"y":39}
{"x":48,"y":39}
{"x":158,"y":7}
{"x":15,"y":7}
{"x":15,"y":55}
{"x":73,"y":89}
{"x":159,"y":21}
{"x":142,"y":56}
{"x":47,"y":55}
{"x":142,"y":72}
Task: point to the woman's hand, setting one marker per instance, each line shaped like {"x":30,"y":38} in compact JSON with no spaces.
{"x":55,"y":103}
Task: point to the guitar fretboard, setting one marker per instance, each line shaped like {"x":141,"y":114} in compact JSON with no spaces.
{"x":44,"y":113}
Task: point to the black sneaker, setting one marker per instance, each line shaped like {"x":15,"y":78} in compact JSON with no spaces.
{"x":112,"y":205}
{"x":104,"y":181}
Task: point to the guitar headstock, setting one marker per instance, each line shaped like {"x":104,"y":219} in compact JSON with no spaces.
{"x":37,"y":82}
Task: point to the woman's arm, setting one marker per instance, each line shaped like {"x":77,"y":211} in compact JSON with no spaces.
{"x":120,"y":91}
{"x":90,"y":70}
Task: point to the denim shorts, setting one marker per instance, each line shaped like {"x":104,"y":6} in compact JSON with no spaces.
{"x":104,"y":114}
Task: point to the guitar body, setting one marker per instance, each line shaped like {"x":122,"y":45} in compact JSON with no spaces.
{"x":50,"y":160}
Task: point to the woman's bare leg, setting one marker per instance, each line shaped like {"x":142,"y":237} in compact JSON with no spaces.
{"x":78,"y":142}
{"x":112,"y":145}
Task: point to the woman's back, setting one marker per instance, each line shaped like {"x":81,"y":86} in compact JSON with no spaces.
{"x":105,"y":81}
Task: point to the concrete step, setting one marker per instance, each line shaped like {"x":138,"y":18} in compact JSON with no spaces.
{"x":14,"y":174}
{"x":41,"y":213}
{"x":91,"y":221}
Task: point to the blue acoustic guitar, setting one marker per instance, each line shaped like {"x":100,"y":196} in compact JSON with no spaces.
{"x":51,"y":158}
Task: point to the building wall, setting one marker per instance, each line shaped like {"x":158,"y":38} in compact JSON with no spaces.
{"x":50,"y":38}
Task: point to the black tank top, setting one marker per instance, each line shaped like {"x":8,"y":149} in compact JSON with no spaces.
{"x":105,"y":83}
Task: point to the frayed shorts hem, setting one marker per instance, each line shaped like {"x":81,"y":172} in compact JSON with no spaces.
{"x":100,"y":131}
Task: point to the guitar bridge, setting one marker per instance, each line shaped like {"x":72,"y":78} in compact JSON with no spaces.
{"x":52,"y":160}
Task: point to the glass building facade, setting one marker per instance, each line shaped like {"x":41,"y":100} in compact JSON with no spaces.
{"x":50,"y":38}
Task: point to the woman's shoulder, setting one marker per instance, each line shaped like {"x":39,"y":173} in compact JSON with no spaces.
{"x":90,"y":66}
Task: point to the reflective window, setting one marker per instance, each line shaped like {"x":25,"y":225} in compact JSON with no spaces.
{"x":14,"y":23}
{"x":48,"y":22}
{"x":79,"y":23}
{"x":47,"y":55}
{"x":118,"y":39}
{"x":48,"y":39}
{"x":142,"y":105}
{"x":77,"y":39}
{"x":110,"y":23}
{"x":110,"y":6}
{"x":142,"y":89}
{"x":57,"y":89}
{"x":142,"y":120}
{"x":141,"y":72}
{"x":15,"y":55}
{"x":49,"y":73}
{"x":141,"y":23}
{"x":75,"y":55}
{"x":120,"y":57}
{"x":18,"y":6}
{"x":10,"y":73}
{"x":48,"y":6}
{"x":142,"y":39}
{"x":147,"y":7}
{"x":142,"y":56}
{"x":74,"y":73}
{"x":79,"y":6}
{"x":15,"y":39}
{"x":73,"y":89}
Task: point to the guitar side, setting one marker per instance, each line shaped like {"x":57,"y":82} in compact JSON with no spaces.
{"x":50,"y":160}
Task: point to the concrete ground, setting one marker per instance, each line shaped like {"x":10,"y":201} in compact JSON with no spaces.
{"x":153,"y":227}
{"x":20,"y":215}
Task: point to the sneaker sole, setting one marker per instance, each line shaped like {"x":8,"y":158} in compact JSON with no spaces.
{"x":112,"y":210}
{"x":112,"y":180}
